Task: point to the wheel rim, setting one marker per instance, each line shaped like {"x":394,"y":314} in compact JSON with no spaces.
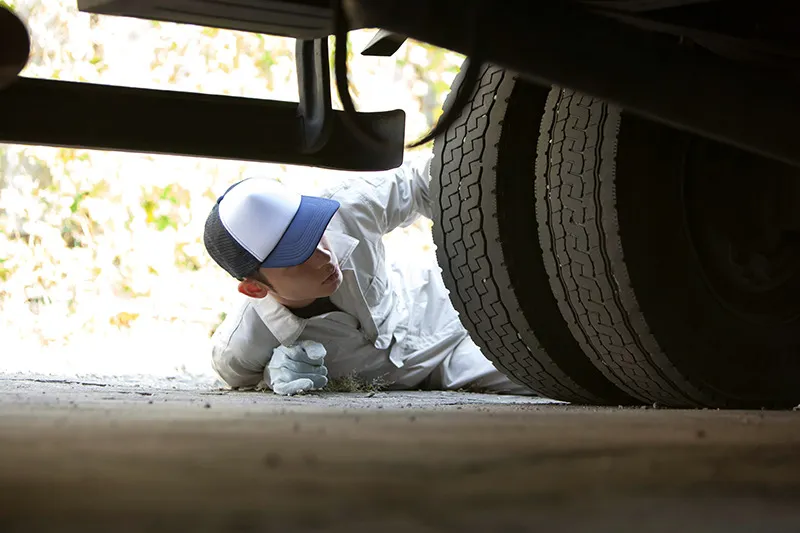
{"x":749,"y":258}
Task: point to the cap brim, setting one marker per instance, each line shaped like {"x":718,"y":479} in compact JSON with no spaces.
{"x":303,"y":234}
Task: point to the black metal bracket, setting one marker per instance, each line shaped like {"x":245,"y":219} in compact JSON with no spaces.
{"x":314,"y":83}
{"x":85,"y":115}
{"x":15,"y":45}
{"x":383,"y":44}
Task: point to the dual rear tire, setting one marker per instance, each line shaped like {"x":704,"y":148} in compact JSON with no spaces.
{"x":583,"y":249}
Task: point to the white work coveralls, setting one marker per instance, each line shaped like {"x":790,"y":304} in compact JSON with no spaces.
{"x":398,"y":327}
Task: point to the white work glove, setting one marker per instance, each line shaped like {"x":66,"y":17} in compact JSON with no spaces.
{"x":297,"y":368}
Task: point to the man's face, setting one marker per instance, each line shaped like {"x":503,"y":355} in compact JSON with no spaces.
{"x":318,"y":277}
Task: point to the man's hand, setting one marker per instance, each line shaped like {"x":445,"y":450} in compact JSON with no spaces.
{"x":297,"y":368}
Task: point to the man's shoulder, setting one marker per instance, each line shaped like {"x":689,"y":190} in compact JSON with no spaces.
{"x":241,"y":319}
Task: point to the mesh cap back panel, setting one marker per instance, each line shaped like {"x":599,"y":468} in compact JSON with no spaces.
{"x":228,"y":253}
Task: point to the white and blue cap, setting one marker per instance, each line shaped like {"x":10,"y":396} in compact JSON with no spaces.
{"x":259,"y":222}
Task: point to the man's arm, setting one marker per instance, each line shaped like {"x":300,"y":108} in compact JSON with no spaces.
{"x":242,"y":347}
{"x":397,"y":197}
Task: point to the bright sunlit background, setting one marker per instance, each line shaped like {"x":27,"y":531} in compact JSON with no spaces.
{"x":102,"y":267}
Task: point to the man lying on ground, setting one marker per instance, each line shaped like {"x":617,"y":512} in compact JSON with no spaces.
{"x":320,"y":302}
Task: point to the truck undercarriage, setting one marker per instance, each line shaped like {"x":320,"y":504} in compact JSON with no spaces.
{"x":724,"y":69}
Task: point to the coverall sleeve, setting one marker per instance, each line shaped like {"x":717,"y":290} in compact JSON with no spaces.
{"x":398,"y":197}
{"x":241,"y":348}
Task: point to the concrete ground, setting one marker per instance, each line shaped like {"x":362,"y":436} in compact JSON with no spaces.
{"x":126,"y":455}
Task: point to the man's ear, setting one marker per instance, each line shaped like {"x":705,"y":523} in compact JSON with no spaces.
{"x":252,"y":288}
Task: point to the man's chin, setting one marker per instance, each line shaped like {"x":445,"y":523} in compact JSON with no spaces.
{"x":331,"y":288}
{"x":334,"y":281}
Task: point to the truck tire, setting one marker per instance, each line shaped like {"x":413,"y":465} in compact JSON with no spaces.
{"x":486,"y":239}
{"x":643,"y":260}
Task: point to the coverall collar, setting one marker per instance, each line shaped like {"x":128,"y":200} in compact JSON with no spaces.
{"x":282,"y":323}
